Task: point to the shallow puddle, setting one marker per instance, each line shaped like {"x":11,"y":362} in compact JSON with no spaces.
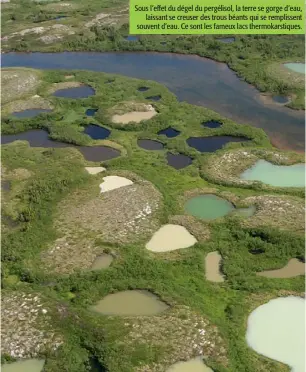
{"x":114,"y":182}
{"x":83,"y":91}
{"x":40,"y":138}
{"x":280,"y":99}
{"x":178,"y":161}
{"x":29,"y":365}
{"x":148,"y":144}
{"x":143,"y":89}
{"x":293,"y":268}
{"x":96,"y":132}
{"x":132,"y":38}
{"x":212,"y":124}
{"x":208,"y":207}
{"x":154,"y":98}
{"x":169,"y":238}
{"x":102,"y":262}
{"x":169,"y":132}
{"x":246,"y":212}
{"x":226,"y":40}
{"x":296,"y":67}
{"x":276,"y":175}
{"x":127,"y":303}
{"x":277,"y":331}
{"x":212,"y":143}
{"x":95,"y":170}
{"x":212,"y":267}
{"x":91,"y":112}
{"x":29,"y":113}
{"x":193,"y":365}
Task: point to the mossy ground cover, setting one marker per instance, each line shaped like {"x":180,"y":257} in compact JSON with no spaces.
{"x":57,"y":182}
{"x":104,"y":27}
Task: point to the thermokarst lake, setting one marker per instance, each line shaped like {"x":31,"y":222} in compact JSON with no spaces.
{"x":208,"y":207}
{"x":82,"y":91}
{"x":29,"y":113}
{"x":276,"y":175}
{"x":277,"y":330}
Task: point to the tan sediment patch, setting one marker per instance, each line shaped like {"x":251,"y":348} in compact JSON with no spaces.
{"x":102,"y":262}
{"x":212,"y":267}
{"x":69,"y":77}
{"x":282,"y":212}
{"x":197,"y":228}
{"x":182,"y":333}
{"x":95,"y":170}
{"x":134,"y":116}
{"x":169,"y":238}
{"x":114,"y":182}
{"x":64,"y":85}
{"x":26,"y":329}
{"x":293,"y":268}
{"x":192,"y":365}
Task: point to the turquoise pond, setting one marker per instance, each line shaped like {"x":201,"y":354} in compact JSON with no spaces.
{"x":296,"y":67}
{"x":276,"y":175}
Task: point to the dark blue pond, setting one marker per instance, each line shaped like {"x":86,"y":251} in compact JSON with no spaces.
{"x":148,"y":144}
{"x":96,"y":132}
{"x":169,"y":132}
{"x":91,"y":112}
{"x":83,"y":91}
{"x":40,"y":138}
{"x":212,"y":124}
{"x":143,"y":89}
{"x":154,"y":98}
{"x":178,"y":161}
{"x":29,"y":113}
{"x":213,"y":143}
{"x":280,"y":99}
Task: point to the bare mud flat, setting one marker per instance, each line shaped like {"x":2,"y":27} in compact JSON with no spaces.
{"x":29,"y":365}
{"x":95,"y":170}
{"x":102,"y":262}
{"x":212,"y":267}
{"x":114,"y":182}
{"x":169,"y":238}
{"x":293,"y":268}
{"x":192,"y":365}
{"x":134,"y":116}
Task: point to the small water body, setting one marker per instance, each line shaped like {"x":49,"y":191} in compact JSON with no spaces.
{"x":226,"y":40}
{"x":58,"y":18}
{"x":193,"y":79}
{"x":29,"y":113}
{"x":127,"y":303}
{"x":277,"y":331}
{"x":193,"y":365}
{"x":212,"y":124}
{"x":169,"y":132}
{"x":212,"y":267}
{"x":132,"y":38}
{"x":96,"y":132}
{"x":293,"y":268}
{"x":29,"y":365}
{"x":91,"y":112}
{"x":5,"y":185}
{"x":256,"y":251}
{"x":212,"y":143}
{"x":276,"y":175}
{"x":95,"y":365}
{"x":83,"y":91}
{"x":280,"y":99}
{"x":178,"y":161}
{"x":148,"y":144}
{"x":143,"y":89}
{"x":246,"y":212}
{"x":296,"y":67}
{"x":102,"y":262}
{"x":208,"y":207}
{"x":154,"y":98}
{"x":40,"y":138}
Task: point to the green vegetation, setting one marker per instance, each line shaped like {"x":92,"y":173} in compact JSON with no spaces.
{"x":103,"y":27}
{"x":45,"y":182}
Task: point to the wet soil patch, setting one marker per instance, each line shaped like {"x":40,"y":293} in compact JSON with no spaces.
{"x":178,"y":161}
{"x":148,"y":144}
{"x":40,"y":138}
{"x":83,"y":91}
{"x":280,"y":99}
{"x":29,"y":113}
{"x":91,"y":111}
{"x":143,"y":89}
{"x":5,"y":185}
{"x":212,"y":124}
{"x":169,"y":132}
{"x":154,"y":98}
{"x":213,"y":143}
{"x":96,"y":132}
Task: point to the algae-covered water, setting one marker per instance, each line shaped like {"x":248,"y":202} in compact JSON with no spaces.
{"x":193,"y":365}
{"x":276,"y":175}
{"x":208,"y":207}
{"x":30,"y":365}
{"x":296,"y":67}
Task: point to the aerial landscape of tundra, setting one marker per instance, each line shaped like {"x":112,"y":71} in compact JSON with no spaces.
{"x":152,"y":195}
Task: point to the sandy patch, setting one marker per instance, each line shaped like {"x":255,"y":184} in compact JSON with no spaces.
{"x":212,"y":267}
{"x":169,"y":238}
{"x":134,"y":116}
{"x":193,"y":365}
{"x":293,"y":268}
{"x":95,"y":170}
{"x":114,"y":182}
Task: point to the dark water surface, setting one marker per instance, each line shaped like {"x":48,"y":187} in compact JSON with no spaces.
{"x":193,"y":79}
{"x":40,"y":138}
{"x":148,"y":144}
{"x":280,"y":99}
{"x":132,"y":38}
{"x":213,"y":143}
{"x":178,"y":161}
{"x":169,"y":132}
{"x":96,"y":132}
{"x":29,"y":113}
{"x":143,"y":89}
{"x":83,"y":91}
{"x":212,"y":124}
{"x":154,"y":98}
{"x":91,"y":112}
